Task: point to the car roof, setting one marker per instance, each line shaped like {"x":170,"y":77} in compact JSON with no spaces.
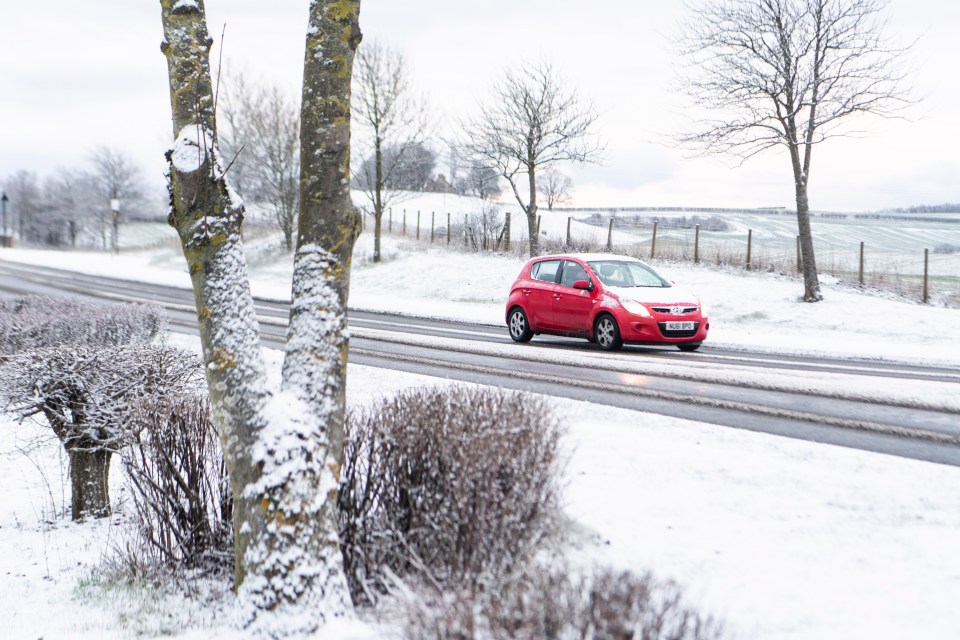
{"x":587,"y":257}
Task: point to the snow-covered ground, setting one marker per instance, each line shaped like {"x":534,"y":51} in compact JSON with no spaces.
{"x":780,"y":538}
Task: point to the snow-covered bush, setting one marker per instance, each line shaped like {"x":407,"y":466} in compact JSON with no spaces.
{"x":85,"y":393}
{"x":179,"y":487}
{"x":539,"y":602}
{"x":446,"y":485}
{"x":37,"y":322}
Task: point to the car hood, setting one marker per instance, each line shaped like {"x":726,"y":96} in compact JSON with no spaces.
{"x":654,"y":295}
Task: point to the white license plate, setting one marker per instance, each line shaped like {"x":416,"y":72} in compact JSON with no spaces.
{"x":679,"y":326}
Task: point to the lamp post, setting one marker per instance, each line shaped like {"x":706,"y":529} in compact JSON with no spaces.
{"x":3,"y":204}
{"x":115,"y":213}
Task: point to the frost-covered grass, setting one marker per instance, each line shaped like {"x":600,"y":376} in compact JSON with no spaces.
{"x":781,"y":538}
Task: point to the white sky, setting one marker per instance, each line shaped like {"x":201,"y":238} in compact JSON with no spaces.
{"x":74,"y":75}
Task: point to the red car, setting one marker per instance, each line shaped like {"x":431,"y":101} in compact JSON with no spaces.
{"x":607,"y":299}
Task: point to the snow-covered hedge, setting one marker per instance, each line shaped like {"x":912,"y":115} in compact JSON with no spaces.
{"x":36,"y":322}
{"x":446,"y":486}
{"x":541,"y":601}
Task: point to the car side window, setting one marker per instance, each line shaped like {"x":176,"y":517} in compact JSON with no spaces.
{"x":571,"y":273}
{"x":545,"y":270}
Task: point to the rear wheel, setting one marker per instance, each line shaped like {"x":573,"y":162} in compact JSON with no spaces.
{"x":607,"y":333}
{"x":689,"y":346}
{"x":518,"y":325}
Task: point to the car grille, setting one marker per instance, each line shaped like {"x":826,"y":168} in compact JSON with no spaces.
{"x":678,"y":334}
{"x":669,"y":309}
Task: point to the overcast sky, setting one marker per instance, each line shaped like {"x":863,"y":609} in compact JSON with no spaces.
{"x":75,"y":75}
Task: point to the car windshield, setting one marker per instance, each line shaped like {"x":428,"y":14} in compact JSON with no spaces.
{"x":621,"y":273}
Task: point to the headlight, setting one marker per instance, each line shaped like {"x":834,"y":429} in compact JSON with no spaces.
{"x":635,"y":308}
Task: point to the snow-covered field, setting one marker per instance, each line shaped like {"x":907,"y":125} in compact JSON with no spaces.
{"x":780,"y":538}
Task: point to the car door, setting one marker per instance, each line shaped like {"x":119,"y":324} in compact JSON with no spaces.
{"x":540,"y":293}
{"x":572,"y":308}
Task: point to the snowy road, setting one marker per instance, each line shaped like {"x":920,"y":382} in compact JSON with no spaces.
{"x":907,"y":410}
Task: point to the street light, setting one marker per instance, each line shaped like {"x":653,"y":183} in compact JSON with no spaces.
{"x":3,"y":205}
{"x":115,"y":211}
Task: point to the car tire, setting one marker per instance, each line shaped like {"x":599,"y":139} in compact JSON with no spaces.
{"x":689,"y":346}
{"x":607,"y":333}
{"x":519,"y":326}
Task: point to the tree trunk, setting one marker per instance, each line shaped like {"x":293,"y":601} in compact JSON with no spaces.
{"x":89,"y":483}
{"x":531,"y":207}
{"x":811,"y":282}
{"x":378,"y":196}
{"x":207,"y":217}
{"x":315,"y":366}
{"x":532,"y":233}
{"x":377,"y":228}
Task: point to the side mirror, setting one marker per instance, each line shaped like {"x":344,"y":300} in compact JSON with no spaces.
{"x":583,"y":284}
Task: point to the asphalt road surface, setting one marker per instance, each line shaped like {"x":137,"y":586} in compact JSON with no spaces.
{"x":830,"y":400}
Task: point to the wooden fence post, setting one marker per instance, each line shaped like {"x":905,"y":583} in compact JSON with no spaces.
{"x":610,"y":235}
{"x":861,"y":265}
{"x":749,"y":247}
{"x":433,"y":223}
{"x":390,"y":221}
{"x":404,"y":222}
{"x":569,"y":218}
{"x":506,"y":231}
{"x":926,"y":276}
{"x":696,"y":245}
{"x":448,"y":227}
{"x":653,"y":240}
{"x":418,"y":224}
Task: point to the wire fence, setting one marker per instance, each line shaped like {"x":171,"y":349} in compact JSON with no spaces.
{"x":913,"y":259}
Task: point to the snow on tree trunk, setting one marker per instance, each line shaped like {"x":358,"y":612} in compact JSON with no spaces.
{"x":315,"y":366}
{"x":283,"y":451}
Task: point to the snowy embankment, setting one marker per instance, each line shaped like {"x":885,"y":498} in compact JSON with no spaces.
{"x":781,"y":538}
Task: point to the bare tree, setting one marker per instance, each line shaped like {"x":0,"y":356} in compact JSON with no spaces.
{"x":283,"y":447}
{"x":119,"y":179}
{"x":392,"y":118}
{"x":788,"y":73}
{"x":74,"y":203}
{"x":25,"y":201}
{"x":262,"y":139}
{"x":530,"y":123}
{"x":556,"y":188}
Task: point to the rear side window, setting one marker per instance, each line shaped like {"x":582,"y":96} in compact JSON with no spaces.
{"x":546,"y":270}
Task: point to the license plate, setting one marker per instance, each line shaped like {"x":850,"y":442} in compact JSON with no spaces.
{"x":679,"y":326}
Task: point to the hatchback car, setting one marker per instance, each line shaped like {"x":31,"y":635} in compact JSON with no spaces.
{"x":607,"y":299}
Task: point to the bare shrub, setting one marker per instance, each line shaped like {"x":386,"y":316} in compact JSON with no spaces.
{"x":183,"y":506}
{"x":541,"y":603}
{"x":36,"y":322}
{"x":446,"y":485}
{"x":483,"y":231}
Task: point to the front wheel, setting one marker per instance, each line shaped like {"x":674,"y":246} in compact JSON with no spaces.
{"x":518,"y":325}
{"x":689,"y":346}
{"x":607,"y":333}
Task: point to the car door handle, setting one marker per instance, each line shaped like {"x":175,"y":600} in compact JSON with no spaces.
{"x":557,"y":296}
